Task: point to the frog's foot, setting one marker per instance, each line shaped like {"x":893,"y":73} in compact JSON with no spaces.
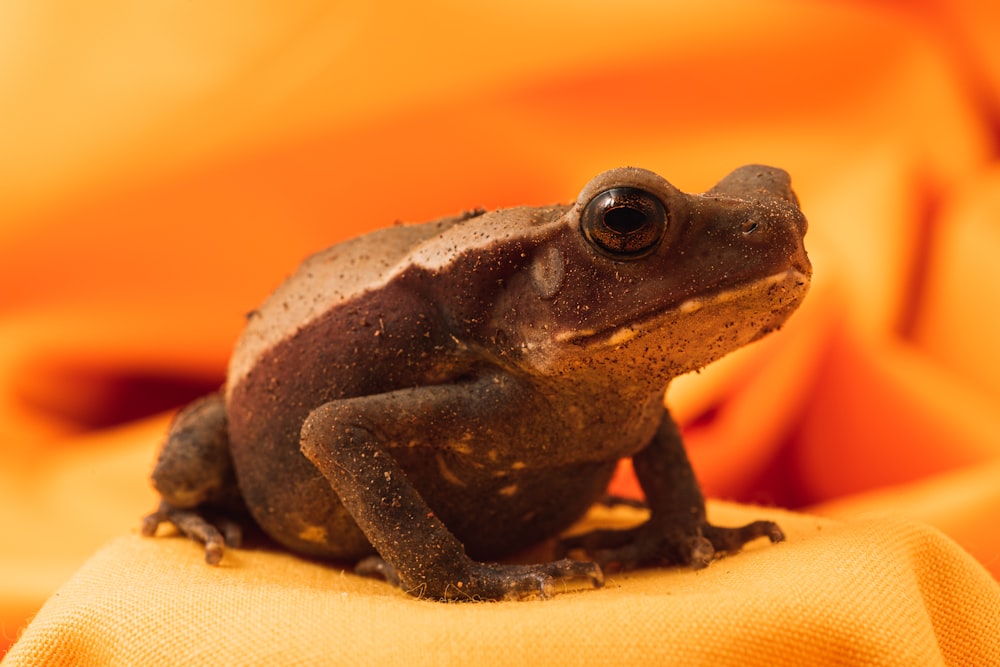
{"x":216,"y":532}
{"x":492,"y":581}
{"x":657,"y":542}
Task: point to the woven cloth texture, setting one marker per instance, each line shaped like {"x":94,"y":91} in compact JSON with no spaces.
{"x":878,"y":592}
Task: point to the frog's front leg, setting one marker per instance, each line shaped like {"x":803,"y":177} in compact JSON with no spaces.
{"x":677,"y":531}
{"x":350,"y":441}
{"x":194,"y":477}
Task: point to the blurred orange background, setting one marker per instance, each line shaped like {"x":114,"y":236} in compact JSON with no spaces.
{"x":164,"y":165}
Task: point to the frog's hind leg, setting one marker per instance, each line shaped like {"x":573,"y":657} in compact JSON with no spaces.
{"x":194,"y":477}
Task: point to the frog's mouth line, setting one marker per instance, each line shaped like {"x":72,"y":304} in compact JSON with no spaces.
{"x":789,"y":279}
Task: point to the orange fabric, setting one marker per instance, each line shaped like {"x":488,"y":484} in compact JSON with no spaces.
{"x":903,"y":595}
{"x":164,"y":166}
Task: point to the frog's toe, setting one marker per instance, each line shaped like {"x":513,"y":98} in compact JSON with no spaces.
{"x":733,"y":539}
{"x":374,"y":566}
{"x":232,"y":531}
{"x":642,"y":546}
{"x":490,"y":581}
{"x":215,"y":535}
{"x":567,"y":571}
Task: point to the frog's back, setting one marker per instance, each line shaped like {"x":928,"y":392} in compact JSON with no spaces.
{"x":324,"y":280}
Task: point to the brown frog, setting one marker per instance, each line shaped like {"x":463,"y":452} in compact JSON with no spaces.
{"x":428,"y":398}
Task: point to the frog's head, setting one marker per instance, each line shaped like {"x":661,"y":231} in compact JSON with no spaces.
{"x":640,"y":279}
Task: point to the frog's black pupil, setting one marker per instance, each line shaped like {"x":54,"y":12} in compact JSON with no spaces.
{"x":624,"y":222}
{"x":624,"y":219}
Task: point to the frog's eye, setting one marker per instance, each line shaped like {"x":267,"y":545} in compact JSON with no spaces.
{"x":625,"y":223}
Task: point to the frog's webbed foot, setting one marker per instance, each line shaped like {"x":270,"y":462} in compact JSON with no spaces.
{"x":216,"y":532}
{"x":661,"y":543}
{"x":494,"y":581}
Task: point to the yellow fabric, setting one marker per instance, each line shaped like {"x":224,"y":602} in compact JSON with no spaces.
{"x":164,"y":164}
{"x":903,"y":594}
